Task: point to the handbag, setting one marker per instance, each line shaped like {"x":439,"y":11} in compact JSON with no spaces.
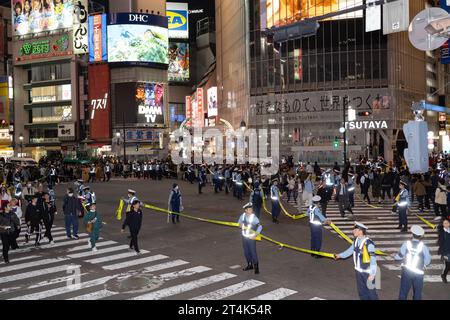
{"x":90,"y":225}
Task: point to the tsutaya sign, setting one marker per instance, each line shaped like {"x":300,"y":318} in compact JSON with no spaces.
{"x":366,"y":125}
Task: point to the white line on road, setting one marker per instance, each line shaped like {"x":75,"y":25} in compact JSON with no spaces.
{"x":43,"y":262}
{"x":230,"y":291}
{"x":95,"y":295}
{"x":277,"y":294}
{"x":397,"y":267}
{"x":98,"y":244}
{"x":134,"y":262}
{"x":166,"y":265}
{"x":188,"y":286}
{"x":114,"y":257}
{"x":183,"y":273}
{"x":91,"y":253}
{"x":36,"y":273}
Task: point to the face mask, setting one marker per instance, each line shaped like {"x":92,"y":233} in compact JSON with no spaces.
{"x":70,"y":194}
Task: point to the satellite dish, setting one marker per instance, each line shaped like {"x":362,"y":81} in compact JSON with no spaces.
{"x":420,"y":29}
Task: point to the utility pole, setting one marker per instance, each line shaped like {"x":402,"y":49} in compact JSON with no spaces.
{"x":124,"y":139}
{"x":344,"y":118}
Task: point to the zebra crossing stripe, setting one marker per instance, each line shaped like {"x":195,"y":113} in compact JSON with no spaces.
{"x":277,"y":294}
{"x":25,"y":258}
{"x":400,"y":242}
{"x":396,"y":249}
{"x":188,"y":286}
{"x":230,"y":291}
{"x":36,"y":273}
{"x":62,"y":290}
{"x":56,"y":280}
{"x":398,"y":267}
{"x":183,"y":273}
{"x":98,"y":244}
{"x":91,"y":253}
{"x":134,"y":262}
{"x":398,"y":236}
{"x":95,"y":295}
{"x":37,"y":263}
{"x":429,"y":278}
{"x":113,"y":257}
{"x":166,"y":265}
{"x":30,"y":246}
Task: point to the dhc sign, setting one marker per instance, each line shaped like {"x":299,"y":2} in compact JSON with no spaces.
{"x":366,"y":125}
{"x":138,"y":18}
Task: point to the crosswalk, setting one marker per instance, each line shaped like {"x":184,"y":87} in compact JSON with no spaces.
{"x":69,"y":270}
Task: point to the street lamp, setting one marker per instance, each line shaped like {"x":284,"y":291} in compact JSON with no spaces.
{"x":21,"y":145}
{"x":243,"y":125}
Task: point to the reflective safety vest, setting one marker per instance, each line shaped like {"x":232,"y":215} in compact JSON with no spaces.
{"x":312,"y":216}
{"x":107,"y":168}
{"x":361,"y":258}
{"x":92,"y":170}
{"x":414,"y":258}
{"x":53,"y":172}
{"x":403,"y":199}
{"x":248,"y":226}
{"x":274,"y":193}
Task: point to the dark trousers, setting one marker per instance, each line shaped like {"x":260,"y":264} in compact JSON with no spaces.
{"x":316,"y":237}
{"x":440,"y":209}
{"x":175,"y":217}
{"x":200,"y":186}
{"x":410,"y":279}
{"x":91,"y":177}
{"x":420,"y":200}
{"x":257,"y":211}
{"x":250,"y":250}
{"x":71,"y":221}
{"x":107,"y":176}
{"x":403,"y":217}
{"x":351,"y":198}
{"x":344,"y":206}
{"x":134,"y":241}
{"x":366,"y":196}
{"x":14,"y":244}
{"x":216,"y":186}
{"x":35,"y":228}
{"x":276,"y":209}
{"x":6,"y":242}
{"x":227,"y":185}
{"x":291,"y":193}
{"x":446,"y":268}
{"x":48,"y":229}
{"x":324,"y":206}
{"x":363,"y":291}
{"x":239,"y":191}
{"x":384,"y":191}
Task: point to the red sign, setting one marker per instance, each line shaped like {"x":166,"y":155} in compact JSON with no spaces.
{"x":200,"y":114}
{"x":98,"y":42}
{"x":188,"y":110}
{"x":99,"y":97}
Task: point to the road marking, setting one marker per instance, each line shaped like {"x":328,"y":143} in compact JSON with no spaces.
{"x":166,"y":265}
{"x":98,"y":244}
{"x":134,"y":262}
{"x":317,"y":298}
{"x":400,"y":242}
{"x":50,"y":246}
{"x":63,"y":290}
{"x":25,"y":258}
{"x":43,"y":262}
{"x":55,"y":280}
{"x":427,"y":278}
{"x":402,"y":235}
{"x":277,"y":294}
{"x":188,"y":286}
{"x":95,"y":295}
{"x":235,"y":267}
{"x":114,"y":257}
{"x":92,"y":253}
{"x":398,"y":267}
{"x":36,"y":273}
{"x":230,"y":291}
{"x":396,"y":249}
{"x":183,"y":273}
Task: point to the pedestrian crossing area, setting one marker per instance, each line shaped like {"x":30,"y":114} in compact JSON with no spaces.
{"x":70,"y":270}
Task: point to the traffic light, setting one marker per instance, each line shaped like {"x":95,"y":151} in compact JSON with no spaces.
{"x":364,"y":113}
{"x":336,"y":144}
{"x":137,"y":148}
{"x":416,"y":156}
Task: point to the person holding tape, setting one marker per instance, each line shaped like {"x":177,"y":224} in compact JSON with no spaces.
{"x":256,"y":198}
{"x":275,"y":196}
{"x":250,"y":225}
{"x":365,"y":260}
{"x":402,"y":205}
{"x":316,"y":221}
{"x":175,"y":203}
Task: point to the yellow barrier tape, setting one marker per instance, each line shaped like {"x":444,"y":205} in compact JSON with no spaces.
{"x":368,"y":204}
{"x":232,"y":224}
{"x":119,"y":210}
{"x":295,"y":217}
{"x":428,"y":223}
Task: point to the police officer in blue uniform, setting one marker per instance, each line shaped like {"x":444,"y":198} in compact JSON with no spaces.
{"x":402,"y":205}
{"x":227,"y":180}
{"x":316,"y":221}
{"x":256,"y":199}
{"x":239,"y":185}
{"x":351,"y":189}
{"x":415,"y":256}
{"x":216,"y":180}
{"x":275,"y":197}
{"x":175,"y":202}
{"x":250,"y":225}
{"x":201,"y":179}
{"x":365,"y":261}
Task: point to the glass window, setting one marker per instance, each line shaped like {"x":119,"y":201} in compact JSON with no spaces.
{"x":51,"y":93}
{"x":50,"y":72}
{"x":43,"y":135}
{"x":51,"y":114}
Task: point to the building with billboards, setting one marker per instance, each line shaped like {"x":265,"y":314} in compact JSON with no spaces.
{"x":303,"y":86}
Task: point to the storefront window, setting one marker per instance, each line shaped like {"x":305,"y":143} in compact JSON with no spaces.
{"x":44,"y":135}
{"x":51,"y":93}
{"x":51,"y":114}
{"x":50,"y":72}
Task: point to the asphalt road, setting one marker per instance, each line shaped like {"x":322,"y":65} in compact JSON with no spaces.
{"x":200,"y":260}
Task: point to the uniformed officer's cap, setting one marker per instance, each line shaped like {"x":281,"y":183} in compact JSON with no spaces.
{"x":131,"y":191}
{"x":360,"y":226}
{"x":404,"y":183}
{"x":328,"y":171}
{"x":248,"y":205}
{"x":417,"y":231}
{"x":350,"y":174}
{"x":274,"y":180}
{"x":86,"y":188}
{"x":337,"y":171}
{"x":80,"y":181}
{"x":316,"y":198}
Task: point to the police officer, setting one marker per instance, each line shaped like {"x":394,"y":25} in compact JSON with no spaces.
{"x":216,"y":180}
{"x":256,"y":199}
{"x":402,"y":206}
{"x":92,"y":173}
{"x":327,"y":179}
{"x":175,"y":203}
{"x":146,"y":170}
{"x":415,"y":256}
{"x":316,"y":221}
{"x":275,"y":197}
{"x":239,"y":185}
{"x":227,"y":180}
{"x":134,"y":222}
{"x":88,"y":197}
{"x":52,"y":175}
{"x":80,"y":187}
{"x":365,"y":261}
{"x":131,"y":198}
{"x":201,"y":179}
{"x":107,"y":172}
{"x":250,"y":225}
{"x":351,"y":189}
{"x":343,"y":198}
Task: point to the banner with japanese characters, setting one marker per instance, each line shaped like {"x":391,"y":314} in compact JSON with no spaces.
{"x":80,"y":27}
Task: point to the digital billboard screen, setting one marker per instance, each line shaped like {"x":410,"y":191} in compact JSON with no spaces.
{"x":150,"y":103}
{"x":34,"y":16}
{"x":178,"y":20}
{"x":179,"y":62}
{"x":281,"y":12}
{"x":97,"y":38}
{"x":138,"y":38}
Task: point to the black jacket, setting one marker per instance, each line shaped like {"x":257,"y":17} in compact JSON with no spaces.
{"x":133,"y":220}
{"x":444,"y":242}
{"x":9,"y":219}
{"x":71,"y":205}
{"x":32,"y":214}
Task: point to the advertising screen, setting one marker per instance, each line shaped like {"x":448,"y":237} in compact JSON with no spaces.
{"x":281,"y":12}
{"x":178,"y":19}
{"x":97,"y":38}
{"x":150,"y":103}
{"x":99,"y":97}
{"x":34,"y":16}
{"x":179,"y":62}
{"x":212,"y":102}
{"x":138,"y":38}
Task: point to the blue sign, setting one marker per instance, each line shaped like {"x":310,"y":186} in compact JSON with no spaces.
{"x":138,"y":18}
{"x":98,"y":50}
{"x":445,"y":50}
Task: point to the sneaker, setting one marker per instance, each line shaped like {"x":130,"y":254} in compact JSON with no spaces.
{"x":52,"y":242}
{"x":444,"y":278}
{"x":138,"y":253}
{"x":438,"y":218}
{"x":76,"y":237}
{"x":94,"y":249}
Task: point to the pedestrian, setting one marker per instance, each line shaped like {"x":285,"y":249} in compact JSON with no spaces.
{"x":15,"y":208}
{"x":365,"y":261}
{"x":131,"y":198}
{"x":48,"y":211}
{"x":5,"y":197}
{"x":420,"y":192}
{"x":376,"y":185}
{"x":291,"y":189}
{"x":403,"y":204}
{"x":72,"y":209}
{"x":239,"y":185}
{"x":343,"y":198}
{"x":415,"y":256}
{"x":134,"y":222}
{"x":175,"y":204}
{"x":33,"y":220}
{"x":387,"y":180}
{"x":365,"y":185}
{"x":440,"y":200}
{"x":107,"y":171}
{"x":275,"y":197}
{"x":444,"y":247}
{"x":92,"y":173}
{"x":250,"y":226}
{"x":52,"y":175}
{"x":201,"y":179}
{"x":300,"y":191}
{"x":256,"y":198}
{"x":94,"y":223}
{"x":308,"y":190}
{"x":316,"y":222}
{"x":8,"y":224}
{"x":351,"y":189}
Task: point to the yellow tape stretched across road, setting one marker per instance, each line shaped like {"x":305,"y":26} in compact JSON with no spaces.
{"x":119,"y":210}
{"x":368,"y":204}
{"x":428,"y":223}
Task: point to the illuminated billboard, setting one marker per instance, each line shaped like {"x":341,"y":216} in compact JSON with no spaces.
{"x":138,"y":38}
{"x":97,"y":38}
{"x":34,"y":16}
{"x":281,"y":12}
{"x":212,"y":102}
{"x":178,"y":20}
{"x":150,"y":103}
{"x":179,"y":62}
